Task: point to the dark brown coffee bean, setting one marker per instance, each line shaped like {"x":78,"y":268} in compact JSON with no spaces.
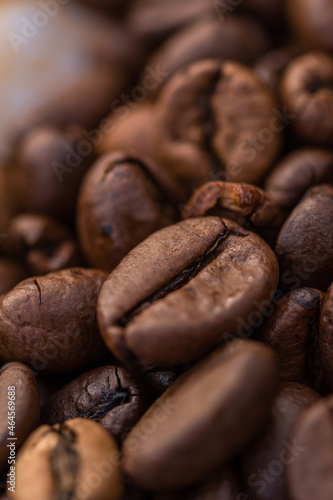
{"x":216,"y":121}
{"x":50,"y":323}
{"x":265,"y":461}
{"x":19,"y":409}
{"x":47,"y":170}
{"x":178,"y":293}
{"x":326,"y":337}
{"x":77,"y":459}
{"x":44,"y":244}
{"x":268,"y":10}
{"x":293,"y":332}
{"x":120,"y":204}
{"x":296,"y":173}
{"x":238,"y":40}
{"x":108,"y":394}
{"x":11,"y":273}
{"x":310,"y":475}
{"x":312,"y":22}
{"x":304,"y":246}
{"x":197,"y":418}
{"x":247,"y":205}
{"x":307,"y":91}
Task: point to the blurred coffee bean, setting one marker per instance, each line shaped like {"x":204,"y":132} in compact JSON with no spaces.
{"x":247,"y":205}
{"x":236,"y":39}
{"x":19,"y":409}
{"x":44,"y":244}
{"x":307,"y":92}
{"x":312,"y":21}
{"x":50,"y":323}
{"x":158,"y":380}
{"x":11,"y":273}
{"x":192,"y":419}
{"x":305,"y":244}
{"x":64,"y":459}
{"x":217,"y":122}
{"x":272,"y":446}
{"x":47,"y":169}
{"x":293,"y":332}
{"x":296,"y":173}
{"x":108,"y":394}
{"x":310,"y":475}
{"x":185,"y":290}
{"x":120,"y":203}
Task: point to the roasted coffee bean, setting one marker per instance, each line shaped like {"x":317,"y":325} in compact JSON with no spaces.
{"x":50,"y":323}
{"x":44,"y":244}
{"x":217,"y":121}
{"x":67,"y":459}
{"x":197,"y":417}
{"x":108,"y":394}
{"x":310,"y":475}
{"x":312,"y":22}
{"x":293,"y":332}
{"x":304,"y":246}
{"x":11,"y":273}
{"x":119,"y":205}
{"x":272,"y":447}
{"x":247,"y":205}
{"x":326,"y":337}
{"x":238,"y":39}
{"x":184,"y":290}
{"x":269,"y":10}
{"x":19,"y":409}
{"x":296,"y":173}
{"x":222,"y":486}
{"x":307,"y":92}
{"x":47,"y":169}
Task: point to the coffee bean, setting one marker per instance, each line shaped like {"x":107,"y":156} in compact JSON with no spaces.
{"x":43,"y":243}
{"x":310,"y":475}
{"x":47,"y":169}
{"x":307,"y":91}
{"x":185,"y":290}
{"x":19,"y":409}
{"x":108,"y":394}
{"x":77,"y":459}
{"x":197,"y":417}
{"x":265,"y":460}
{"x":217,"y":121}
{"x":247,"y":205}
{"x":293,"y":332}
{"x":311,"y":20}
{"x":46,"y":321}
{"x":119,"y":205}
{"x":304,"y":245}
{"x":296,"y":173}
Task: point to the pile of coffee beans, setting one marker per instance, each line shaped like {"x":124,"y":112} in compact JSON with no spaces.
{"x":166,"y":250}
